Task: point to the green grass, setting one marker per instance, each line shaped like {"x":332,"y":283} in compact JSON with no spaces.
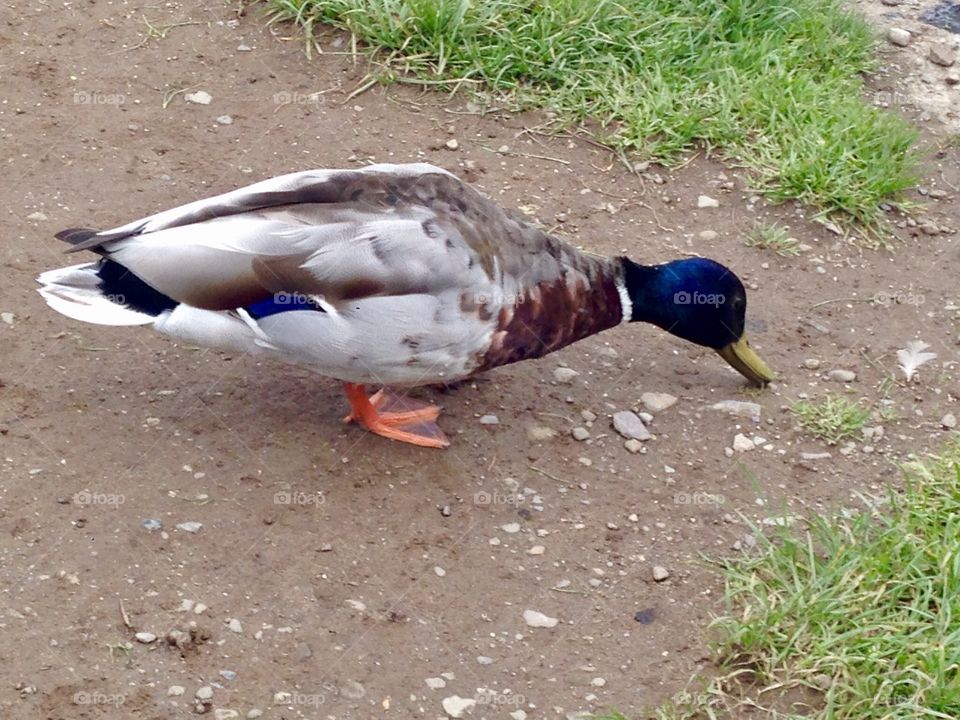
{"x":858,"y":616}
{"x":773,"y":237}
{"x":775,"y":86}
{"x":833,"y":419}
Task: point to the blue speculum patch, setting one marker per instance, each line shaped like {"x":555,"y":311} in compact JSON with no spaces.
{"x":946,"y":15}
{"x":280,"y":303}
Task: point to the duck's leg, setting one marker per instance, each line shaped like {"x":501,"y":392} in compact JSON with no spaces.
{"x":395,"y":417}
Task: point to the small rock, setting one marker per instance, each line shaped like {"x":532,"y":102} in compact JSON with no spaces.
{"x":942,"y":55}
{"x":657,"y":402}
{"x":489,"y":420}
{"x":645,"y":616}
{"x":537,"y":619}
{"x":598,"y":682}
{"x":225,"y":714}
{"x":204,"y":693}
{"x":190,"y":527}
{"x":740,"y":408}
{"x":518,"y":714}
{"x":630,"y":426}
{"x":705,"y":201}
{"x":539,"y":433}
{"x":952,"y":79}
{"x":503,"y":149}
{"x":580,"y":433}
{"x":37,"y":216}
{"x":536,"y":550}
{"x":484,"y":660}
{"x":455,"y":706}
{"x":357,"y":605}
{"x":145,"y":637}
{"x":708,"y":235}
{"x":741,"y":443}
{"x":244,"y":48}
{"x":588,"y":416}
{"x":200,"y":97}
{"x":811,"y":364}
{"x":949,"y":421}
{"x":634,"y":446}
{"x":235,"y":626}
{"x":842,"y":375}
{"x":228,"y":675}
{"x":176,"y":690}
{"x":452,"y":144}
{"x":152,"y":524}
{"x":565,"y":375}
{"x":511,"y":528}
{"x":225,"y":120}
{"x":435,"y":683}
{"x":815,"y":456}
{"x":439,"y":571}
{"x":899,"y":36}
{"x":660,"y":573}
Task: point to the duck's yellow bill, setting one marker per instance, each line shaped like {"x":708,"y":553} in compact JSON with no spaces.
{"x":745,"y":361}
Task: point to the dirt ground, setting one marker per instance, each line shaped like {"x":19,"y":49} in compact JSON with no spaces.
{"x":336,"y":572}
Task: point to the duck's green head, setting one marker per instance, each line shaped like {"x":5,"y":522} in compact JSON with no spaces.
{"x":698,"y":300}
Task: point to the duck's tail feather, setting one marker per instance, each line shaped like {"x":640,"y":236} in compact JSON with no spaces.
{"x":87,"y":293}
{"x":106,"y":293}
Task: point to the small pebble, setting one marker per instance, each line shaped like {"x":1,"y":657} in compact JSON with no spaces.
{"x":634,"y":446}
{"x":200,"y":97}
{"x":228,"y":675}
{"x":949,"y":421}
{"x":484,"y":660}
{"x":580,"y":433}
{"x":176,"y":690}
{"x":660,"y":573}
{"x":37,"y":216}
{"x":537,"y":619}
{"x":842,"y":375}
{"x":708,"y":235}
{"x":899,"y":36}
{"x":145,"y":637}
{"x":225,"y":714}
{"x":657,"y":401}
{"x":536,"y":550}
{"x":598,"y":682}
{"x":811,"y":364}
{"x":489,"y":420}
{"x":705,"y":201}
{"x":630,"y":426}
{"x":741,"y":443}
{"x":455,"y":706}
{"x":564,"y":375}
{"x":225,"y":120}
{"x":152,"y":524}
{"x":190,"y":527}
{"x":439,"y":571}
{"x":511,"y":528}
{"x":235,"y":626}
{"x":942,"y":55}
{"x":452,"y":144}
{"x":435,"y":683}
{"x":204,"y":693}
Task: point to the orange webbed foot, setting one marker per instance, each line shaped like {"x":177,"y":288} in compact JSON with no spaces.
{"x":395,"y":417}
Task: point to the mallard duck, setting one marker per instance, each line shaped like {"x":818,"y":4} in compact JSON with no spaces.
{"x":389,"y":275}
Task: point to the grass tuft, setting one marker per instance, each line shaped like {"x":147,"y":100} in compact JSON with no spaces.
{"x":776,"y":86}
{"x":833,"y":419}
{"x":773,"y":237}
{"x":857,"y":618}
